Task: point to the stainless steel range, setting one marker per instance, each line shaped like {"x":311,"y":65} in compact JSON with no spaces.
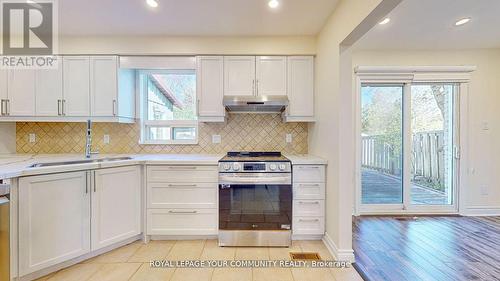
{"x":255,"y":199}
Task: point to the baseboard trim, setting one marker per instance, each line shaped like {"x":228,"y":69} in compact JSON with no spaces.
{"x":481,"y":211}
{"x":338,"y":254}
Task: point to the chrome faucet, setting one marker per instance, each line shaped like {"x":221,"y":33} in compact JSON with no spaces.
{"x":88,"y":144}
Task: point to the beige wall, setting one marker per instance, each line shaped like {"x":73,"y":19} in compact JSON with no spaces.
{"x":250,"y":132}
{"x":483,"y":188}
{"x":325,"y":134}
{"x":265,"y":45}
{"x":7,"y":138}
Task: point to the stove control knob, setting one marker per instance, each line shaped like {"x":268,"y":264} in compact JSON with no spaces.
{"x":227,"y":167}
{"x":272,"y":167}
{"x":282,"y":167}
{"x":236,"y":166}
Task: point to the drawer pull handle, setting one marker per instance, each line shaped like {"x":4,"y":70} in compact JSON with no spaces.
{"x":311,"y":220}
{"x":183,"y":212}
{"x":309,"y":203}
{"x":182,"y":185}
{"x":309,"y":185}
{"x":182,"y":168}
{"x":308,"y":167}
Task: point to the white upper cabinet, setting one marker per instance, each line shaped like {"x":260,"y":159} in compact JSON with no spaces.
{"x":21,"y":93}
{"x":239,"y":76}
{"x":3,"y":92}
{"x":116,"y":205}
{"x":76,"y":86}
{"x":300,"y":89}
{"x":49,"y":91}
{"x":271,"y":75}
{"x":103,"y":86}
{"x":210,"y":88}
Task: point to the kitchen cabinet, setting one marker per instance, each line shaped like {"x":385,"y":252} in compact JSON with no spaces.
{"x":182,"y":200}
{"x":271,"y":75}
{"x":3,"y":92}
{"x":49,"y":91}
{"x":76,"y":76}
{"x":308,"y":201}
{"x":300,"y":80}
{"x":239,"y":76}
{"x":54,"y":219}
{"x":116,"y":205}
{"x":104,"y":86}
{"x":210,"y":88}
{"x":21,"y":92}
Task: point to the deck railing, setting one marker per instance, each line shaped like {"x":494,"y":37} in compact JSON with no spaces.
{"x":427,"y":157}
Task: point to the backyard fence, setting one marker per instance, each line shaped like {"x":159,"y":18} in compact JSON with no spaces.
{"x":427,"y":161}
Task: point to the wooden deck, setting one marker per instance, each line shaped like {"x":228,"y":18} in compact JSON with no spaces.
{"x":378,"y":188}
{"x":428,"y":248}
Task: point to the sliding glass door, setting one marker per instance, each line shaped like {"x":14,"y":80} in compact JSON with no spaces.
{"x":408,"y":146}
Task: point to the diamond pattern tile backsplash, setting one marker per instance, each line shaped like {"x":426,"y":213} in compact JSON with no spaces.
{"x":248,"y":132}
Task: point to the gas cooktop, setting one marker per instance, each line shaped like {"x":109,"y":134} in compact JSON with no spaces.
{"x":245,"y":156}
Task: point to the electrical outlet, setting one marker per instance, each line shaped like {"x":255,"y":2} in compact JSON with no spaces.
{"x":486,"y":126}
{"x":32,"y":138}
{"x":216,"y":139}
{"x":484,"y":190}
{"x":106,"y":139}
{"x":288,"y":138}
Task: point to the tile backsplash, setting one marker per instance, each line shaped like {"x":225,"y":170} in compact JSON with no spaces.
{"x":249,"y":132}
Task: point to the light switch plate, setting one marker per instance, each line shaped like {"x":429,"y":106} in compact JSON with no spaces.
{"x":106,"y":139}
{"x":216,"y":139}
{"x":288,"y":138}
{"x":32,"y":138}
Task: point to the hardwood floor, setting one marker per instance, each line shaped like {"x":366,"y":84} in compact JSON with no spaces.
{"x":427,"y":248}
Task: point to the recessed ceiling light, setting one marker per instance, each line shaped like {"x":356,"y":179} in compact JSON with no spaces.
{"x":462,"y":21}
{"x":385,"y":21}
{"x":273,"y":4}
{"x":152,"y":3}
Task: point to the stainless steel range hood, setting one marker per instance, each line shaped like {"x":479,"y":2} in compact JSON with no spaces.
{"x":255,"y":104}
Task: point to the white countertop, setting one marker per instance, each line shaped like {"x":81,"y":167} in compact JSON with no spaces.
{"x":12,"y":166}
{"x":17,"y":165}
{"x":306,"y":159}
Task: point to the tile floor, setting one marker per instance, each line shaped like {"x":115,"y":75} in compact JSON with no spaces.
{"x":131,"y":262}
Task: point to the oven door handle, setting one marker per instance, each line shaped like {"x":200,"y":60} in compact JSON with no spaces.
{"x":254,"y":180}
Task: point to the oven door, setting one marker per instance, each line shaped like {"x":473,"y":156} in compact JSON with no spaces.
{"x":258,"y":205}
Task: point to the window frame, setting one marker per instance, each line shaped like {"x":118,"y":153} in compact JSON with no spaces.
{"x":142,"y":88}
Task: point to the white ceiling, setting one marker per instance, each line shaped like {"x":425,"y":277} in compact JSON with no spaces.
{"x":193,"y":17}
{"x":430,"y":24}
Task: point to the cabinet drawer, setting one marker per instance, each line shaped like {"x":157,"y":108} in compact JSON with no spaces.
{"x":308,"y":225}
{"x":307,"y":208}
{"x":173,"y":174}
{"x":308,"y":173}
{"x":309,"y":190}
{"x":182,"y":195}
{"x":182,"y":222}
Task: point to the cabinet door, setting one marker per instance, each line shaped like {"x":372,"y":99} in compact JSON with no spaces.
{"x":271,"y":76}
{"x":103,"y":86}
{"x":116,"y":201}
{"x":3,"y":91}
{"x":210,"y":87}
{"x":54,"y":220}
{"x":239,"y":76}
{"x":21,"y":92}
{"x":76,"y":86}
{"x":49,"y":91}
{"x":301,"y":86}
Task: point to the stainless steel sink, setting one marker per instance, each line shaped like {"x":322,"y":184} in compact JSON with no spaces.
{"x":74,"y":162}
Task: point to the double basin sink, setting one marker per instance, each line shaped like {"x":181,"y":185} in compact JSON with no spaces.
{"x":74,"y":162}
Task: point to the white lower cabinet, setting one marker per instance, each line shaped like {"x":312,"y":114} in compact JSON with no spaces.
{"x":54,"y":220}
{"x":182,"y":200}
{"x":66,"y":215}
{"x":308,"y":201}
{"x":182,"y":221}
{"x":116,"y":205}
